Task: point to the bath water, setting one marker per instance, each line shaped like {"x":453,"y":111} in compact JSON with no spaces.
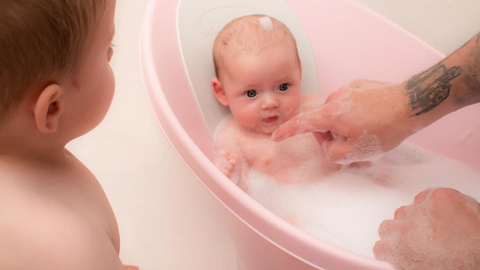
{"x":345,"y":208}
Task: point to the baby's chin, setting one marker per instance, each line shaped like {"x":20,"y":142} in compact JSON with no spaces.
{"x":266,"y":129}
{"x":260,"y":131}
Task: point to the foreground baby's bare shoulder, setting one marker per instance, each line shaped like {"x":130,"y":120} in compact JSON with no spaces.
{"x":38,"y":231}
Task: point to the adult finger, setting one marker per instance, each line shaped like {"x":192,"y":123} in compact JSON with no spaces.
{"x":323,"y":136}
{"x":313,"y":121}
{"x":337,"y":150}
{"x":400,"y":213}
{"x":387,"y":228}
{"x":383,"y":250}
{"x":356,"y":84}
{"x":337,"y":94}
{"x":420,"y":197}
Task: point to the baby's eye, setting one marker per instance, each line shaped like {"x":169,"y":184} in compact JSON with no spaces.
{"x":251,"y":93}
{"x":110,"y":52}
{"x":283,"y":87}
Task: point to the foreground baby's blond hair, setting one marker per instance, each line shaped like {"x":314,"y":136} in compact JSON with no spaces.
{"x":252,"y":33}
{"x":42,"y":40}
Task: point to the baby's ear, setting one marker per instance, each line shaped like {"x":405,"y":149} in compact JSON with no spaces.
{"x":219,"y":92}
{"x":48,"y":108}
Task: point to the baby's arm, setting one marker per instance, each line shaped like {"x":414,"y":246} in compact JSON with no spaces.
{"x":229,"y":156}
{"x":225,"y":162}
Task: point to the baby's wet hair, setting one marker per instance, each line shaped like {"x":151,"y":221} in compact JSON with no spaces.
{"x":42,"y":41}
{"x":251,"y":33}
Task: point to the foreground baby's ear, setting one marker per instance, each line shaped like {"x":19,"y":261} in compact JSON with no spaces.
{"x":48,"y":108}
{"x":219,"y":92}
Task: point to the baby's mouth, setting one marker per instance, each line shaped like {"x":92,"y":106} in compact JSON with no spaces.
{"x":271,"y":120}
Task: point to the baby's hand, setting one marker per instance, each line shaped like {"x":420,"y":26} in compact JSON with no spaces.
{"x":225,"y":162}
{"x":131,"y":267}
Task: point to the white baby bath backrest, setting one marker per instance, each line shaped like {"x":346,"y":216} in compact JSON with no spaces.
{"x":198,"y":23}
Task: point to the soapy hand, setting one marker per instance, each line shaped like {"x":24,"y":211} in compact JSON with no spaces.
{"x":225,"y":162}
{"x":439,"y":230}
{"x":359,"y":122}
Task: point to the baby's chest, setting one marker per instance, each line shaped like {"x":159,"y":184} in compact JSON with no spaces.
{"x":289,"y":153}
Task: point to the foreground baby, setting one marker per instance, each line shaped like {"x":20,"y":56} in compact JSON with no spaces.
{"x":258,"y":76}
{"x":56,"y":84}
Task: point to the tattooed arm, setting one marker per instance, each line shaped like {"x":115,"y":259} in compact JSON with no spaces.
{"x":367,"y":118}
{"x":448,"y":86}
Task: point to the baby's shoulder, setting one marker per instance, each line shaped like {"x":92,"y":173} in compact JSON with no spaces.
{"x":228,"y":130}
{"x":40,"y":219}
{"x":26,"y":195}
{"x":29,"y":226}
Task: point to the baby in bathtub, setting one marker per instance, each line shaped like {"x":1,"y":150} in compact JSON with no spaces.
{"x":258,"y":76}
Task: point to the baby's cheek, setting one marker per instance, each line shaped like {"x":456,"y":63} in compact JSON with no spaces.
{"x":246,"y":120}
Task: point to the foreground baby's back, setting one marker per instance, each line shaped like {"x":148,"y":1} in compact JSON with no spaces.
{"x":53,"y":218}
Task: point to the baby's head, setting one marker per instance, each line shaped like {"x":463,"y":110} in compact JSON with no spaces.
{"x":49,"y":56}
{"x":258,"y":72}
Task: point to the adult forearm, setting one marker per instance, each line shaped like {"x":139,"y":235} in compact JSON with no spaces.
{"x":448,"y":86}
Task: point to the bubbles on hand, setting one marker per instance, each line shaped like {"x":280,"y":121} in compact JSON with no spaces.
{"x":367,"y":147}
{"x":424,"y":245}
{"x":345,"y":107}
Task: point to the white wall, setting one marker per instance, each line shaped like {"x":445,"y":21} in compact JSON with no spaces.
{"x":167,"y":218}
{"x":445,"y":24}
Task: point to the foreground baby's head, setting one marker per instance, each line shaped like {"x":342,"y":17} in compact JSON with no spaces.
{"x":50,"y":42}
{"x":258,"y":72}
{"x":43,"y":41}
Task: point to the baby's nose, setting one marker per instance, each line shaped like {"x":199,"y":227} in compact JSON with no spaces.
{"x":269,"y":102}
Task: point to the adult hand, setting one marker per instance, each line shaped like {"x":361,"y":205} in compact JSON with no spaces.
{"x":439,"y":230}
{"x":360,"y":121}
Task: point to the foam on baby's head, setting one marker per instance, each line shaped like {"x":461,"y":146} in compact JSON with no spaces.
{"x":266,"y":23}
{"x":252,"y":33}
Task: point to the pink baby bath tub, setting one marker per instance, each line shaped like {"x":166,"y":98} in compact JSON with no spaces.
{"x":338,"y":41}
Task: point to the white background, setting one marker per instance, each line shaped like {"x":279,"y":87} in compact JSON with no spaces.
{"x":167,"y":219}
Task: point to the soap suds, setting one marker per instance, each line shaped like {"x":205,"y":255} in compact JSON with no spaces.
{"x":266,"y":23}
{"x":346,"y":208}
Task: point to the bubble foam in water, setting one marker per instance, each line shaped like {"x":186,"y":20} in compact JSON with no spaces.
{"x":346,"y":207}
